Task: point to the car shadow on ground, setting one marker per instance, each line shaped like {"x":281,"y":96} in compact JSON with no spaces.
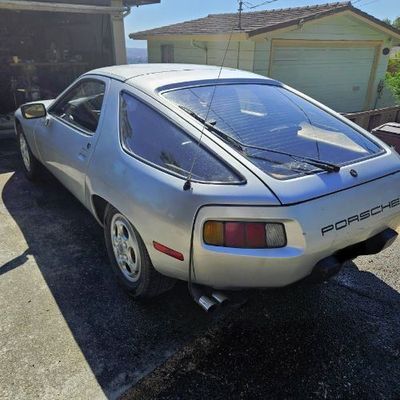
{"x":120,"y":339}
{"x":337,"y":340}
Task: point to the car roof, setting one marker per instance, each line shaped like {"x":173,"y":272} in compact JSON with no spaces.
{"x":153,"y":77}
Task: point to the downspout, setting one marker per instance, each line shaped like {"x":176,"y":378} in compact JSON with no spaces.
{"x":198,"y":46}
{"x":118,"y":31}
{"x":238,"y":56}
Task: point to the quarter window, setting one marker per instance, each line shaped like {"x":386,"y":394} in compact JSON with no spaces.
{"x":152,"y":137}
{"x":81,"y":106}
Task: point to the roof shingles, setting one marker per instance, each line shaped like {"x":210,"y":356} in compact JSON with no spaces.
{"x":253,"y":23}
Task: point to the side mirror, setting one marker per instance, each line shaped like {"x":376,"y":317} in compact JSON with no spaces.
{"x":32,"y":111}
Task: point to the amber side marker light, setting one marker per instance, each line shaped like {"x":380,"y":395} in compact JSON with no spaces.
{"x":166,"y":250}
{"x":250,"y":235}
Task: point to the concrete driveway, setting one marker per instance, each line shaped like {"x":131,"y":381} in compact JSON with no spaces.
{"x":68,"y":331}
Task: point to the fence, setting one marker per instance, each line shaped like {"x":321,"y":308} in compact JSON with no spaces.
{"x":372,"y":118}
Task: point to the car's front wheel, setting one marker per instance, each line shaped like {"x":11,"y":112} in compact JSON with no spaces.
{"x":30,"y":164}
{"x":129,"y":258}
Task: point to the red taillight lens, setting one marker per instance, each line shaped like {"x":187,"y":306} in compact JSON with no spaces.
{"x":255,"y":235}
{"x":235,"y":234}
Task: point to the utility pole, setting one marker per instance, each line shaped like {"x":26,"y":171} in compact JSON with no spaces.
{"x":240,"y":14}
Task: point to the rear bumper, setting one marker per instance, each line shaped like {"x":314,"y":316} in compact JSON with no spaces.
{"x":342,"y":225}
{"x":330,"y":266}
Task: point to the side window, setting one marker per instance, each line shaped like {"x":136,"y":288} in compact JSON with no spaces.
{"x":147,"y":134}
{"x":81,"y":106}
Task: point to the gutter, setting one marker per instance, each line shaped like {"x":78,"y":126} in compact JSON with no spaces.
{"x":61,"y":7}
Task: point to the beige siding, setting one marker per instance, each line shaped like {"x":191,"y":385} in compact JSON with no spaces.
{"x":338,"y":27}
{"x":239,"y":55}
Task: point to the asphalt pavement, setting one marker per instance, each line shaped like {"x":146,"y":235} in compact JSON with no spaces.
{"x":67,"y":330}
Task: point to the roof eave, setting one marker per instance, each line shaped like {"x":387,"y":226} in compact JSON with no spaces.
{"x":138,"y":3}
{"x":390,"y":30}
{"x":297,"y":21}
{"x":239,"y":35}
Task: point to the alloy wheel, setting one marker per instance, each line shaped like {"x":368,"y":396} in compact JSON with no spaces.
{"x":125,"y":247}
{"x":25,"y":152}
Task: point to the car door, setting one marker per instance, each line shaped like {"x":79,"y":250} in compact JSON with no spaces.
{"x":67,"y":137}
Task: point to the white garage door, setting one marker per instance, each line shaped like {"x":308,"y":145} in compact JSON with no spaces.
{"x":336,"y":76}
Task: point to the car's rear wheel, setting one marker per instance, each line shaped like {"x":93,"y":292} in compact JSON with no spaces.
{"x":129,"y":258}
{"x":30,"y":164}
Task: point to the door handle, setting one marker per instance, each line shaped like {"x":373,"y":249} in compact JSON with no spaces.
{"x":47,"y":121}
{"x":83,"y":153}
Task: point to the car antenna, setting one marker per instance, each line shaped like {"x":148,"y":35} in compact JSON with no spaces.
{"x":187,"y":185}
{"x":194,"y":290}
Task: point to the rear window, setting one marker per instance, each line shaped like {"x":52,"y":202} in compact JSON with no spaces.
{"x":275,"y":118}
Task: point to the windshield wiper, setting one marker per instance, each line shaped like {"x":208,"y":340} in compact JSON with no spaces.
{"x":324,"y":165}
{"x":210,"y":125}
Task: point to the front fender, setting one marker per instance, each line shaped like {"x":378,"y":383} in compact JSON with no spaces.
{"x":29,"y":127}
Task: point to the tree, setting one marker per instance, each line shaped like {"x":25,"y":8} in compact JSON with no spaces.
{"x":396,"y":23}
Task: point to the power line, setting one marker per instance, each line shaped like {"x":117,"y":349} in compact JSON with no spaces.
{"x":368,"y":3}
{"x":251,"y":6}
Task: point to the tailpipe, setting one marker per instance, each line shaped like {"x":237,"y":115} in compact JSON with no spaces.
{"x":199,"y":296}
{"x":220,"y":297}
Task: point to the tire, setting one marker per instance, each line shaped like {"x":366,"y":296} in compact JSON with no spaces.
{"x":129,"y":258}
{"x":30,"y":164}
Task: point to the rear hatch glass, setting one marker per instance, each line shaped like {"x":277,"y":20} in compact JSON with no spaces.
{"x":273,"y":118}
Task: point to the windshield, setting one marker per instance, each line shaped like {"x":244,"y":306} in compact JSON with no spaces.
{"x":272,"y":117}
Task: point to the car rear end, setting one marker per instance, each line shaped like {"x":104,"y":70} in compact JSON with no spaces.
{"x":338,"y":187}
{"x":315,"y":230}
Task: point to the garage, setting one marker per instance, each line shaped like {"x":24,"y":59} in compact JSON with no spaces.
{"x":43,"y":53}
{"x":45,"y":45}
{"x":334,"y":73}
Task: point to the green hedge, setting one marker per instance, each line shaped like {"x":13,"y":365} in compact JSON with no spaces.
{"x":392,"y":79}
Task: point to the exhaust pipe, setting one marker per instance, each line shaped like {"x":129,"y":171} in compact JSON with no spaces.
{"x":220,"y":297}
{"x":205,"y":302}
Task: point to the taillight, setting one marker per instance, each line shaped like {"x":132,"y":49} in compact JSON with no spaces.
{"x":251,"y":235}
{"x":234,"y":234}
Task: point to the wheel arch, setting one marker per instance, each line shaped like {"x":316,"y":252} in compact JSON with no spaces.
{"x":99,"y":207}
{"x":17,"y":125}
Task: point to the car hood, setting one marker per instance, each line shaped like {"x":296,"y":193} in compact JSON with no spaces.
{"x":304,"y":188}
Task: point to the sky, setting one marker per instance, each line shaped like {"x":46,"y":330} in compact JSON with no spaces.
{"x":172,"y":11}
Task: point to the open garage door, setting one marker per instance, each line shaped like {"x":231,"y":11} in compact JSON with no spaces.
{"x":336,"y":74}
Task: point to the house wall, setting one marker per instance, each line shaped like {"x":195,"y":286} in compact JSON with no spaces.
{"x":254,"y":54}
{"x":239,"y":55}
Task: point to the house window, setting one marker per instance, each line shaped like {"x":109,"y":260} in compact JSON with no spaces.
{"x":167,"y":53}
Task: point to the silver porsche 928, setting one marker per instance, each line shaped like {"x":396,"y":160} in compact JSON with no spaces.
{"x":231,"y":182}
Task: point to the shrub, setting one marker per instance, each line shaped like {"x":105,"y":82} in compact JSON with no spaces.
{"x":392,"y":78}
